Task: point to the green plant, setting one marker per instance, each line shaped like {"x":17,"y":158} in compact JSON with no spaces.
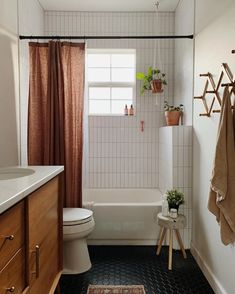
{"x":174,"y":197}
{"x":152,"y":74}
{"x":168,"y":107}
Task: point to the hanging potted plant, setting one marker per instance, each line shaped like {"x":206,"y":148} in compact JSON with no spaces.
{"x":153,"y":80}
{"x":175,"y":198}
{"x":173,"y":114}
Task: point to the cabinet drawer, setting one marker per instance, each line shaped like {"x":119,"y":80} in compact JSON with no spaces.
{"x":11,"y":232}
{"x":13,"y":275}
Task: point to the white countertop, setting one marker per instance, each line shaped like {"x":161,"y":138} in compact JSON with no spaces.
{"x":13,"y":190}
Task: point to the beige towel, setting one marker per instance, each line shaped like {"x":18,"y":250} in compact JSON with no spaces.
{"x":222,"y":192}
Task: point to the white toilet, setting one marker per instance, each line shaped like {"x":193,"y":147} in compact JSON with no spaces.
{"x":78,"y":223}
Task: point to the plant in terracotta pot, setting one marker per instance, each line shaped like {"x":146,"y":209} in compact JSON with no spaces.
{"x":173,"y":113}
{"x":153,"y":80}
{"x":175,"y":198}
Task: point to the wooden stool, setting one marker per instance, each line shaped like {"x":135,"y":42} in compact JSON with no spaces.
{"x":168,"y":223}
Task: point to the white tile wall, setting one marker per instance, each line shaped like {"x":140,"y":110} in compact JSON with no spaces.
{"x":120,"y":155}
{"x":175,"y":169}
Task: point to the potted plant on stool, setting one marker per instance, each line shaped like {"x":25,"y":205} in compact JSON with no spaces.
{"x":175,"y":198}
{"x":173,"y":114}
{"x":153,"y":80}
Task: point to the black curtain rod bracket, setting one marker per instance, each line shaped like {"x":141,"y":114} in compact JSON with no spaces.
{"x":102,"y":37}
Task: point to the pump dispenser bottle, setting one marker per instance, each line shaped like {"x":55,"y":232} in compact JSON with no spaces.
{"x":131,"y":110}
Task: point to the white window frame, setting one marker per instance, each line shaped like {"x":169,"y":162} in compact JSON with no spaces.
{"x":112,"y":84}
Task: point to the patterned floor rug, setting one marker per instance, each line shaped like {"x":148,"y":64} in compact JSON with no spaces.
{"x":102,"y":289}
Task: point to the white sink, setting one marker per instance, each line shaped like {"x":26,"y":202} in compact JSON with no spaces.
{"x":8,"y":173}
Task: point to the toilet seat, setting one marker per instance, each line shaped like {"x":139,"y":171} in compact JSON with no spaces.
{"x":76,"y":216}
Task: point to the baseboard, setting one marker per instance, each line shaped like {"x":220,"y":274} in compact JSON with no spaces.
{"x":211,"y":278}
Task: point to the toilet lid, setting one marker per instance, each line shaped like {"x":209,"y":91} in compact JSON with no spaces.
{"x":76,"y":216}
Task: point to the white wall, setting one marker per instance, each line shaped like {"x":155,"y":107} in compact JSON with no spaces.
{"x":120,"y":155}
{"x":25,"y":17}
{"x":31,"y":22}
{"x":9,"y":83}
{"x":8,"y":15}
{"x":208,"y":11}
{"x":184,"y":50}
{"x":213,"y":45}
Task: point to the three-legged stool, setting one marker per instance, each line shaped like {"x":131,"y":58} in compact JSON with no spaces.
{"x":168,"y":223}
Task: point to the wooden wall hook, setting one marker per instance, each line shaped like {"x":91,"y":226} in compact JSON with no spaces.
{"x":204,"y":75}
{"x":228,"y":84}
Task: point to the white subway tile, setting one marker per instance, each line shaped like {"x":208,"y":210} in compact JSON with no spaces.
{"x":118,"y":180}
{"x":175,"y":156}
{"x":186,"y":154}
{"x":188,"y":135}
{"x":187,"y":177}
{"x":180,"y":136}
{"x":180,"y":162}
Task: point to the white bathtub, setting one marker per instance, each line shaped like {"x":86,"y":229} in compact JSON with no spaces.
{"x":123,"y":216}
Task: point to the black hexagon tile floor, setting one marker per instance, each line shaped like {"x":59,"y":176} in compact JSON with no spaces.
{"x":136,"y":265}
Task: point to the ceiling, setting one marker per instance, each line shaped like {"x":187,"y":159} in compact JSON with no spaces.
{"x":108,"y":5}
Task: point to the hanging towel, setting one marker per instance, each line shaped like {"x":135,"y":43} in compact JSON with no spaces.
{"x":222,"y":191}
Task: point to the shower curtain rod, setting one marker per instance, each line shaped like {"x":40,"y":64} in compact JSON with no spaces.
{"x":103,"y":37}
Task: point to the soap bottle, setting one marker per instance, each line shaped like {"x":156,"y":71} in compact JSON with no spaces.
{"x":125,"y":110}
{"x":165,"y":206}
{"x":131,"y":110}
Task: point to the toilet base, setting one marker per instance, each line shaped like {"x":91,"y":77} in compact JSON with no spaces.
{"x":76,"y":257}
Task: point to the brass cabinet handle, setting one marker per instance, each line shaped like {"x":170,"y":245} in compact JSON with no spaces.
{"x":37,"y":261}
{"x":12,"y":289}
{"x":10,"y":237}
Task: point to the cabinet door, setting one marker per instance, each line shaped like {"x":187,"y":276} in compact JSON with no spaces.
{"x":44,"y":237}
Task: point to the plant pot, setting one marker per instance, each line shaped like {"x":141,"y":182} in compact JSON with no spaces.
{"x":156,"y":86}
{"x":173,"y":117}
{"x":173,"y":206}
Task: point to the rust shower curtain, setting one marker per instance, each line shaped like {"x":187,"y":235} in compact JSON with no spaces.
{"x":55,"y":113}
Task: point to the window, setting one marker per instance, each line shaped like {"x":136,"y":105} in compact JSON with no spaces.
{"x":111,"y":80}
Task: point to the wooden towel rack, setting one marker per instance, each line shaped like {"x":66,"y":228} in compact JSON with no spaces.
{"x":215,"y":89}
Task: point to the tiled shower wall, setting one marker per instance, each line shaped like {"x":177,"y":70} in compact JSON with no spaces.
{"x":119,"y":154}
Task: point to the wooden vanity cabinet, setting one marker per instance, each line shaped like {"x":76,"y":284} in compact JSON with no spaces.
{"x":44,"y":234}
{"x":31,"y":243}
